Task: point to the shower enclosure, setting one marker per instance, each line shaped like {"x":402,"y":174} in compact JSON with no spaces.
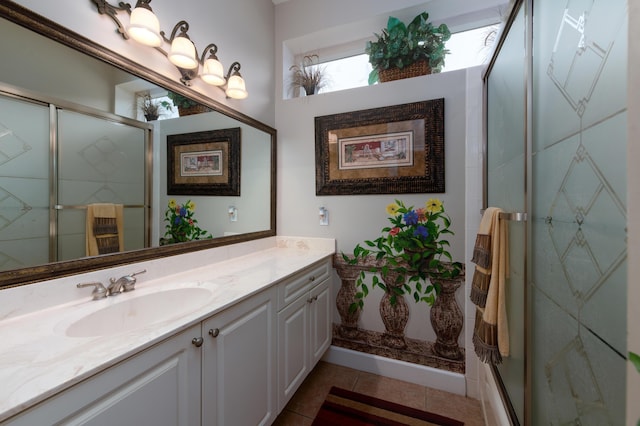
{"x":54,"y":161}
{"x":556,"y":151}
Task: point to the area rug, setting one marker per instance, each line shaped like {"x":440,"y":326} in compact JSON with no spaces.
{"x":346,"y":408}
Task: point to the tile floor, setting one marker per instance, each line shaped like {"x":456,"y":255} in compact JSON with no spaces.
{"x":304,"y":405}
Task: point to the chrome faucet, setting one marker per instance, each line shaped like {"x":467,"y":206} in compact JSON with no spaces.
{"x":123,"y":284}
{"x":99,"y":292}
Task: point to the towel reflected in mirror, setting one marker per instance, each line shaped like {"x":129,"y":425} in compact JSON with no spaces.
{"x":105,"y":231}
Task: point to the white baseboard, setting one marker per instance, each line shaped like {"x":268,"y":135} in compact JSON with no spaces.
{"x":492,"y":406}
{"x":408,"y":372}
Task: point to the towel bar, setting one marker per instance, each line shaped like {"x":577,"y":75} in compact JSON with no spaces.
{"x":84,"y":207}
{"x":512,"y":216}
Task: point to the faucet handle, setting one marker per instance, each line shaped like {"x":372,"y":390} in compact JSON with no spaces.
{"x":138,"y":273}
{"x":99,"y":291}
{"x":129,"y":283}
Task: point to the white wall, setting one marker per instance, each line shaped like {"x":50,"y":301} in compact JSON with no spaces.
{"x":243,"y":31}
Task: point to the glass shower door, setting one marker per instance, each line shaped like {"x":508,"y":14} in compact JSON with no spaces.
{"x":99,"y":161}
{"x":506,"y":183}
{"x":578,"y":279}
{"x":571,"y":177}
{"x":24,"y":183}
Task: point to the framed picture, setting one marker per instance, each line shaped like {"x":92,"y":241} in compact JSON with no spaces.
{"x":204,"y":163}
{"x":390,"y":150}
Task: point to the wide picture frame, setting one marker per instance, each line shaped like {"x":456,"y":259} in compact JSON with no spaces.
{"x":204,"y":163}
{"x":389,"y":150}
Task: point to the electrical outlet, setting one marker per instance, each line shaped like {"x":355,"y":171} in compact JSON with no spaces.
{"x":233,"y":214}
{"x":324,"y":216}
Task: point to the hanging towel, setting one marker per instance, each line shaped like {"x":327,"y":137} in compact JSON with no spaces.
{"x":491,"y":332}
{"x":104,"y":229}
{"x":482,"y":258}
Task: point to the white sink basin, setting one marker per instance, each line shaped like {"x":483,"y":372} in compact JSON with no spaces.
{"x":138,"y":312}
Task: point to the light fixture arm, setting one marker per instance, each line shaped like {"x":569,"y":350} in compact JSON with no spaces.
{"x":235,"y":67}
{"x":183,"y":26}
{"x":141,"y":3}
{"x":104,"y":8}
{"x":212,"y":49}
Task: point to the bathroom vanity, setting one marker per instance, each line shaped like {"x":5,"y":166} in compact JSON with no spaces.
{"x":227,"y":343}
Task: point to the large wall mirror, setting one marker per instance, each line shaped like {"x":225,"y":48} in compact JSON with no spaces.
{"x":90,"y":97}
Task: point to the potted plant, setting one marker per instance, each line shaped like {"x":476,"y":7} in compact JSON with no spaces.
{"x":186,"y":106}
{"x":152,"y":108}
{"x":308,"y":75}
{"x":181,"y":225}
{"x":412,"y":251}
{"x":416,"y":49}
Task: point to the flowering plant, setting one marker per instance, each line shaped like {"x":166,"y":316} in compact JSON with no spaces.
{"x":181,"y":225}
{"x":413,"y":246}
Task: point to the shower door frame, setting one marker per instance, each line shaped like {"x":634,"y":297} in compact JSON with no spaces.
{"x":54,"y":105}
{"x":528,"y":140}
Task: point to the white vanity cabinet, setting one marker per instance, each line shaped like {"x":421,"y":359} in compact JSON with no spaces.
{"x":237,"y":367}
{"x":159,"y":386}
{"x":239,"y":363}
{"x":304,"y":327}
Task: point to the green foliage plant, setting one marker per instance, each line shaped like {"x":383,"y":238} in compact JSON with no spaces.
{"x":634,"y":358}
{"x":413,"y":249}
{"x":181,"y":224}
{"x":181,"y":101}
{"x":401,"y":45}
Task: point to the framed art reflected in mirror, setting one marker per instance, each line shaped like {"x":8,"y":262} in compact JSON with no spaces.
{"x":204,"y":163}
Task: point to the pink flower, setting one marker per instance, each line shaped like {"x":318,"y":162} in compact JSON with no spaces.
{"x":394,"y":231}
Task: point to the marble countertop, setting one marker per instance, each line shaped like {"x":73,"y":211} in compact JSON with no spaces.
{"x":38,"y":359}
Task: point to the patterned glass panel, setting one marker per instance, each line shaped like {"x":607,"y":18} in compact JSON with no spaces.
{"x":579,"y":210}
{"x":100,"y":162}
{"x":24,"y":183}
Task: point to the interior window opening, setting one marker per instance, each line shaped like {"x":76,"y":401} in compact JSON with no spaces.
{"x":467,"y":49}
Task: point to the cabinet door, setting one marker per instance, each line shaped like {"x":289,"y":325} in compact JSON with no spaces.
{"x":293,"y":348}
{"x":160,"y":386}
{"x":239,"y":364}
{"x":319,"y":321}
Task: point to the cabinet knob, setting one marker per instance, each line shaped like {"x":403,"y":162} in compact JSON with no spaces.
{"x":214,"y":332}
{"x":312,"y":278}
{"x":197,"y":341}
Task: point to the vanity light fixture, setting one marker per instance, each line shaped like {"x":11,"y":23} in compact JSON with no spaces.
{"x":144,"y":27}
{"x":183,"y":51}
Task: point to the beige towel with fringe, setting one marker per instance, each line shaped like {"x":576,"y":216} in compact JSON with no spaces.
{"x":104,"y":229}
{"x":491,"y":255}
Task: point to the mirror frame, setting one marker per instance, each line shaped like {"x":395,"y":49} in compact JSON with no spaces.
{"x":24,"y":17}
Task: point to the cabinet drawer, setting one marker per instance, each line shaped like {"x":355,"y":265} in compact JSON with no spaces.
{"x":292,"y":288}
